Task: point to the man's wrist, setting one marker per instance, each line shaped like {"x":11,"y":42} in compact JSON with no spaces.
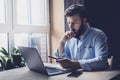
{"x":76,"y":64}
{"x":62,"y":42}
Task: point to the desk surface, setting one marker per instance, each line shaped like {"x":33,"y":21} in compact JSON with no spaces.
{"x":26,"y":74}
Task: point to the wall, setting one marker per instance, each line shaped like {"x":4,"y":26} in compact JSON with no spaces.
{"x":56,"y":22}
{"x":107,"y":18}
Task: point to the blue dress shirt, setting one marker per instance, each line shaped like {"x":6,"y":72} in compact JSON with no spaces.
{"x":91,"y":50}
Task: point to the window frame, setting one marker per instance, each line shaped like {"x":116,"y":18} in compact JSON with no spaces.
{"x":12,"y":27}
{"x":29,"y":28}
{"x":7,"y":27}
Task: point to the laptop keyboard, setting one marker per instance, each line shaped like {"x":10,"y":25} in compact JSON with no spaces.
{"x":51,"y":70}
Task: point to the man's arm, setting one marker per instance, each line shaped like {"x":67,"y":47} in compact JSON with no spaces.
{"x":65,"y":62}
{"x":60,"y":48}
{"x":67,"y":36}
{"x":101,"y":54}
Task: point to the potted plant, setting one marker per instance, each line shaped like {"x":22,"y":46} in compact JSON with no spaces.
{"x":17,"y":58}
{"x":10,"y":61}
{"x":6,"y":59}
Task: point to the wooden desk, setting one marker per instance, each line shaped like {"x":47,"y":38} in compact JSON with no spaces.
{"x":26,"y":74}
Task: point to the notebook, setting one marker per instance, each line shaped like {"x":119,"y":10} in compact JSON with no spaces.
{"x":35,"y":63}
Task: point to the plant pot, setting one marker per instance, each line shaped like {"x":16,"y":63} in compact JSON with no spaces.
{"x":17,"y":59}
{"x":9,"y":65}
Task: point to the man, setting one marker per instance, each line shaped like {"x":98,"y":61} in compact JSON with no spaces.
{"x":82,"y":46}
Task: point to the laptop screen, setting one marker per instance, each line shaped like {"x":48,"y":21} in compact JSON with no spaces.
{"x":32,"y":59}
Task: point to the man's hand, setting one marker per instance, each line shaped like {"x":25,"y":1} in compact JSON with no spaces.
{"x":67,"y":36}
{"x":68,"y":64}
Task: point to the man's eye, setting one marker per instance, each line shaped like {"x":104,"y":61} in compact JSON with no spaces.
{"x":68,"y":22}
{"x":76,"y":23}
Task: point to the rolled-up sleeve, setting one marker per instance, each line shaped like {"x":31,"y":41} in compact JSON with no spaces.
{"x":66,"y":52}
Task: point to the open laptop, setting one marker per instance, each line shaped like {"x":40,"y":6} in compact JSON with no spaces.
{"x":34,"y":62}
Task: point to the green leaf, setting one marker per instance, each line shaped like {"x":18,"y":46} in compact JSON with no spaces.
{"x":4,"y":52}
{"x":16,"y":50}
{"x":3,"y":61}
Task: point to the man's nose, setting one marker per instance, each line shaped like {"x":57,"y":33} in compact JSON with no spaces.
{"x":71,"y":26}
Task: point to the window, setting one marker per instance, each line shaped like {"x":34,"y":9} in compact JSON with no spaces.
{"x":4,"y":41}
{"x":2,"y":11}
{"x":25,"y":23}
{"x":32,"y":12}
{"x":34,"y":40}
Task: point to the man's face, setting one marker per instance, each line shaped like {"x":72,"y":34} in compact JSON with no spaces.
{"x":75,"y":23}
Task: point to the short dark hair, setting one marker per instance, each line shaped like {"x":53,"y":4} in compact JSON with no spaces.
{"x":76,"y":9}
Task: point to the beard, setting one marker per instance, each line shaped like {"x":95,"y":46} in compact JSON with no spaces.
{"x":80,"y":31}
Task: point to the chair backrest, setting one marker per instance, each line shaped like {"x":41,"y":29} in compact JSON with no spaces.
{"x":115,"y":65}
{"x":110,"y":61}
